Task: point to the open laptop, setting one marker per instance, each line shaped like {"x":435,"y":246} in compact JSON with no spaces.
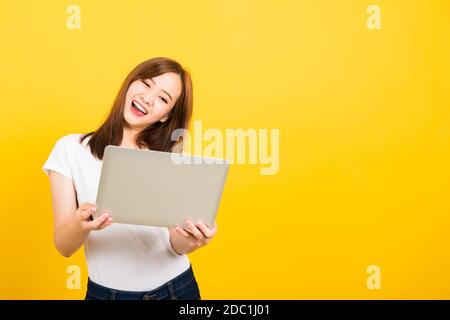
{"x":145,"y":187}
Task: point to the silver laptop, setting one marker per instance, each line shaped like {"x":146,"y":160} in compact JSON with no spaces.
{"x":145,"y":187}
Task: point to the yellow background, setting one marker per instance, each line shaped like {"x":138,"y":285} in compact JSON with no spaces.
{"x":364,"y":137}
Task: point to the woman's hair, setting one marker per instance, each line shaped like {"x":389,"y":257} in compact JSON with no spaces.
{"x":156,"y":136}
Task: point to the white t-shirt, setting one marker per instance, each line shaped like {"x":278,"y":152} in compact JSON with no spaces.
{"x":121,"y":256}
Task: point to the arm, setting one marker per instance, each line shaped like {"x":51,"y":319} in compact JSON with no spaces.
{"x":71,"y":224}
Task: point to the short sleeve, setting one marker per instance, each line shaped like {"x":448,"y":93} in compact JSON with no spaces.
{"x":58,"y":160}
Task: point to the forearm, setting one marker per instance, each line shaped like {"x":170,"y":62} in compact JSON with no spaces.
{"x":68,"y":238}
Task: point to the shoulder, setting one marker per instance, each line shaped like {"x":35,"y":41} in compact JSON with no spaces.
{"x":69,"y":139}
{"x":70,"y":142}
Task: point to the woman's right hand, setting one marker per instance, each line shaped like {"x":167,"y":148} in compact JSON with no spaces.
{"x":85,"y":221}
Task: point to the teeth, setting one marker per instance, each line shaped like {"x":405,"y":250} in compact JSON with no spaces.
{"x":139,"y":107}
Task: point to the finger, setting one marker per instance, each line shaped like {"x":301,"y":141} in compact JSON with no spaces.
{"x":87,"y":212}
{"x":105,"y":224}
{"x":183,"y":232}
{"x":193,"y":230}
{"x":98,"y":223}
{"x":208,"y":233}
{"x":94,"y":224}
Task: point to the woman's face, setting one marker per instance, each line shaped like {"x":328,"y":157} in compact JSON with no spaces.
{"x":150,"y":100}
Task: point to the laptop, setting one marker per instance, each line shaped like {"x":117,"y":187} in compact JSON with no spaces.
{"x":162,"y":189}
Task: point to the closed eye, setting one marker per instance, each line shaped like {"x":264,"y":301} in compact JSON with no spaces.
{"x":148,"y":86}
{"x":145,"y":82}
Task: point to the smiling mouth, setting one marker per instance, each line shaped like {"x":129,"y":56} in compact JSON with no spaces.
{"x":139,"y":107}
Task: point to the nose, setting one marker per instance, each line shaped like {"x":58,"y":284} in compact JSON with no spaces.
{"x":147,"y":98}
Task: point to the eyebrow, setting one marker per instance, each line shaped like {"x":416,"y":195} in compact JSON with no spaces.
{"x":162,"y":90}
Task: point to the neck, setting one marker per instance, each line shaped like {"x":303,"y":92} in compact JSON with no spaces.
{"x":129,"y":138}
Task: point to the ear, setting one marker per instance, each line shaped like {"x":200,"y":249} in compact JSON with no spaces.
{"x":164,"y":119}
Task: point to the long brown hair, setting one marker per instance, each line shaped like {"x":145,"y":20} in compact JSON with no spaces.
{"x":156,"y":136}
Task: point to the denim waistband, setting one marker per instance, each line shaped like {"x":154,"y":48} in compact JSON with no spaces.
{"x":167,"y":290}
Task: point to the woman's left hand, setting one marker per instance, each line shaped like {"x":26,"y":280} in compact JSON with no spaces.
{"x":191,"y":237}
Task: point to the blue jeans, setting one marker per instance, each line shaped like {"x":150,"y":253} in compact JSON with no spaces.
{"x":182,"y":287}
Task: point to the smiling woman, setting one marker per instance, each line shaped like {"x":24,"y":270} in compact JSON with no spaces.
{"x":154,"y":100}
{"x":127,"y":261}
{"x":148,"y":95}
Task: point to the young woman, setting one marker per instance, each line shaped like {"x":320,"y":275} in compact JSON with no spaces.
{"x":127,"y":261}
